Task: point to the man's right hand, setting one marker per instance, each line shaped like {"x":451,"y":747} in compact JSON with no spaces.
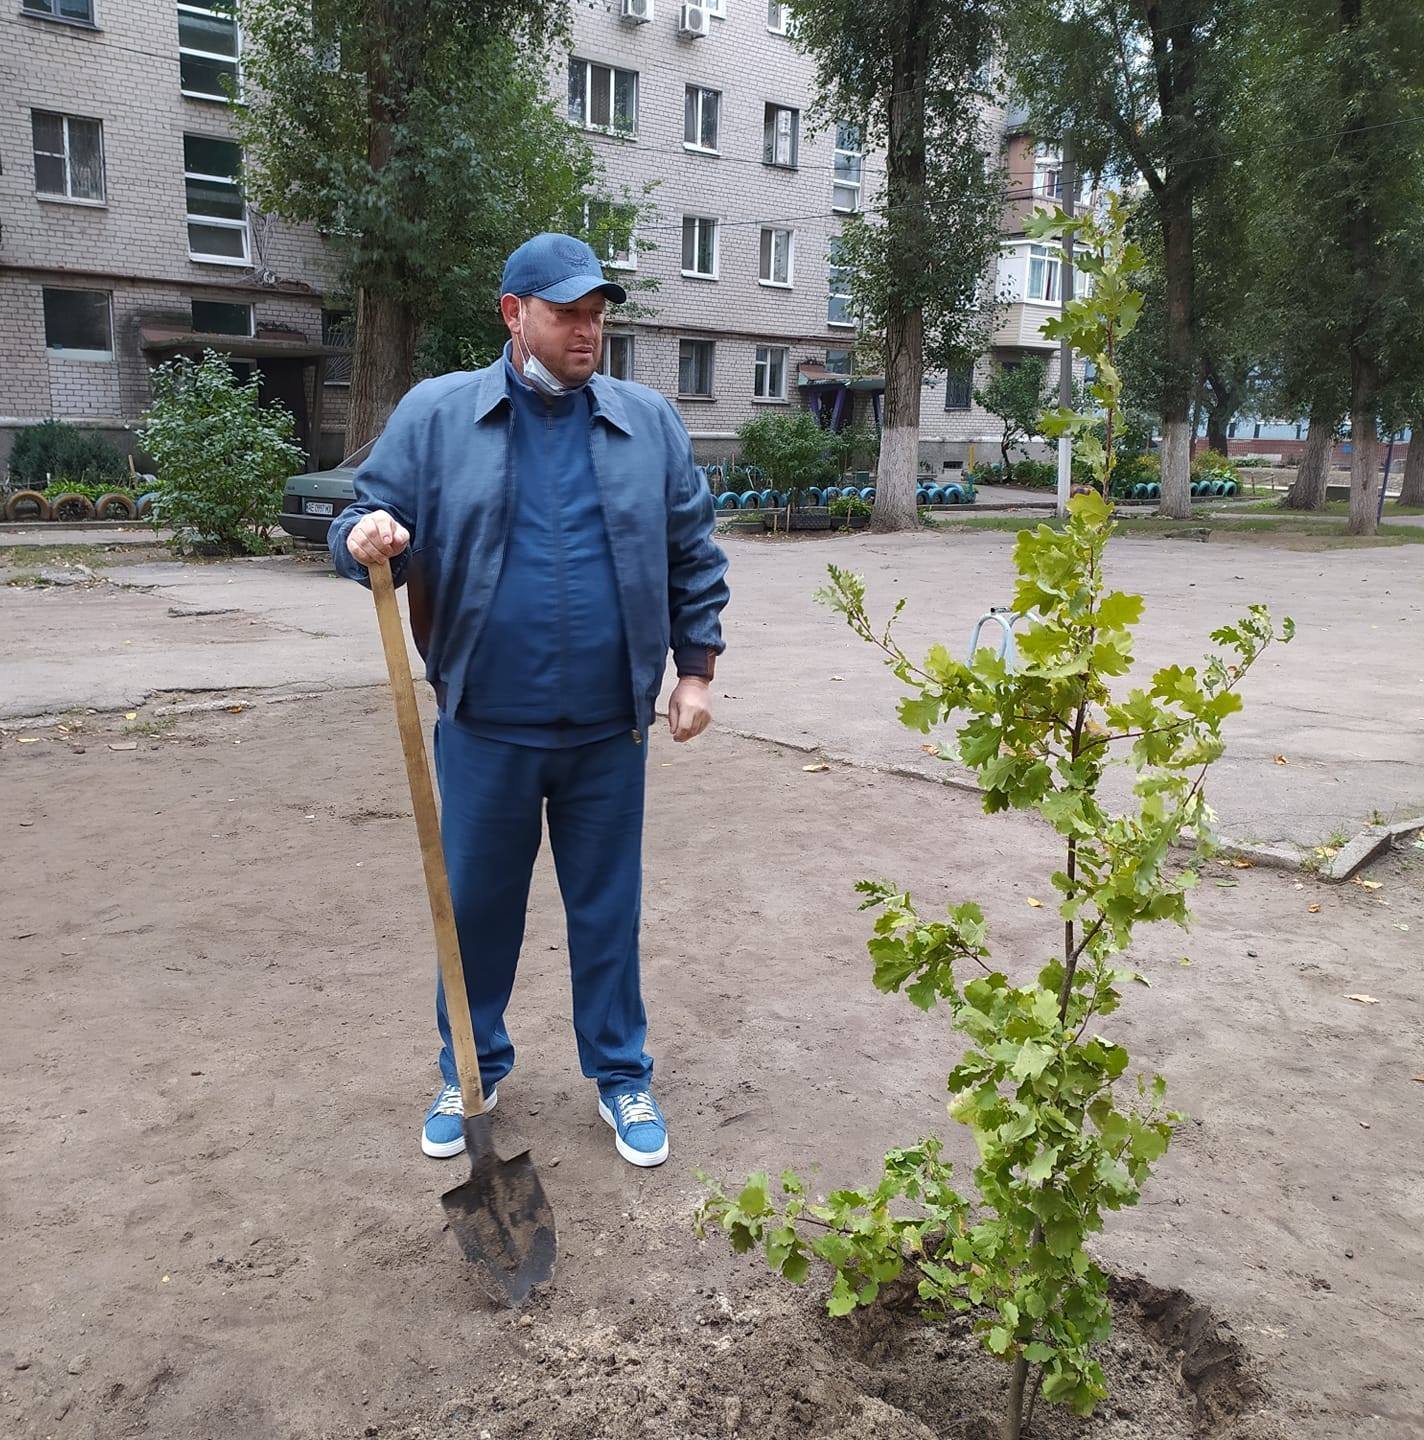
{"x":376,"y":537}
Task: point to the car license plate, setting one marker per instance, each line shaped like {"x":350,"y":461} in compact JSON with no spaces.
{"x":318,"y":507}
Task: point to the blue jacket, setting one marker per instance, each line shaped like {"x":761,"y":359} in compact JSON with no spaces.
{"x":443,"y":468}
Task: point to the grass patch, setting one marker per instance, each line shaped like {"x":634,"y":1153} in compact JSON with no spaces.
{"x":28,"y":578}
{"x":1320,"y":534}
{"x":160,"y":725}
{"x":94,"y":556}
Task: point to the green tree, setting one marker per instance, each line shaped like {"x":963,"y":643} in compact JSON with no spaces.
{"x":221,"y":456}
{"x":1059,"y":1147}
{"x":1141,"y":89}
{"x":1016,"y":395}
{"x":791,"y":450}
{"x":417,"y":137}
{"x":1339,"y":89}
{"x":910,"y":76}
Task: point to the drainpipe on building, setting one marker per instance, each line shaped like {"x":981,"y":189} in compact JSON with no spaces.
{"x":1065,"y":350}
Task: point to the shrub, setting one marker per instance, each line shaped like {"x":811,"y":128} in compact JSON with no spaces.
{"x":1213,"y":465}
{"x":77,"y":457}
{"x":1036,"y":474}
{"x":984,"y":474}
{"x":791,"y":450}
{"x":221,"y":457}
{"x":845,"y":506}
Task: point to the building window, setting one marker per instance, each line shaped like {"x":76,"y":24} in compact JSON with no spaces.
{"x":776,"y":248}
{"x":702,"y":109}
{"x":838,"y":362}
{"x":1048,"y":172}
{"x":699,"y":247}
{"x":221,"y":317}
{"x":609,"y":228}
{"x":80,"y":11}
{"x":602,"y":98}
{"x":208,"y":43}
{"x":716,"y":7}
{"x":780,"y":134}
{"x":1043,"y":265}
{"x":845,"y":189}
{"x":338,"y":329}
{"x":618,"y":357}
{"x":769,"y":382}
{"x":838,"y":285}
{"x":694,"y":368}
{"x":217,"y":216}
{"x":78,"y":324}
{"x":959,"y":388}
{"x":776,"y":17}
{"x":69,"y":156}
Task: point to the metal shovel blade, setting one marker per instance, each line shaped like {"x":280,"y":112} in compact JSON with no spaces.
{"x":502,"y":1219}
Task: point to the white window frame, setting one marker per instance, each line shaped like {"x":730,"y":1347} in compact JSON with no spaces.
{"x":59,"y":352}
{"x":217,"y":222}
{"x":762,"y":373}
{"x":702,"y":92}
{"x":627,"y":259}
{"x":68,"y":196}
{"x":716,"y":8}
{"x":768,"y":280}
{"x":698,"y":222}
{"x":776,"y":8}
{"x":208,"y":300}
{"x":606,"y":364}
{"x":794,"y":128}
{"x":1050,"y":262}
{"x":858,"y":183}
{"x":235,"y":59}
{"x":834,"y":293}
{"x":711,"y":392}
{"x":1048,"y":161}
{"x":589,"y":66}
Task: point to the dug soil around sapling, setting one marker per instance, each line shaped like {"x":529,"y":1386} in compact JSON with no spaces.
{"x":216,"y":1049}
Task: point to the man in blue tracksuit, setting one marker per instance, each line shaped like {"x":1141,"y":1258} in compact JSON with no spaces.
{"x":557,"y":543}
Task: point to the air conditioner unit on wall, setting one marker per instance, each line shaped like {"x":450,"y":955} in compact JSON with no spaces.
{"x":696,"y":21}
{"x":638,"y":11}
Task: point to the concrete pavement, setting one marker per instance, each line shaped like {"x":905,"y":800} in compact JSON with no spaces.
{"x":1343,"y":705}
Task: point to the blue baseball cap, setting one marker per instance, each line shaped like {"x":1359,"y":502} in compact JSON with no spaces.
{"x":557,"y":268}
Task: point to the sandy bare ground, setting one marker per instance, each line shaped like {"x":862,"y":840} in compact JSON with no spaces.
{"x":216,"y":1048}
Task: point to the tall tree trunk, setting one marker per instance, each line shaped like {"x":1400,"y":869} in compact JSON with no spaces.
{"x":904,"y":333}
{"x":1176,"y":203}
{"x":1364,"y":473}
{"x":382,"y":367}
{"x":1412,"y":490}
{"x":1217,"y":424}
{"x":1307,"y":492}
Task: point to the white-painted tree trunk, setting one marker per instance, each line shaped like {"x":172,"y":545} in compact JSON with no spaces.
{"x":1365,"y":479}
{"x":1176,"y":470}
{"x":895,"y":507}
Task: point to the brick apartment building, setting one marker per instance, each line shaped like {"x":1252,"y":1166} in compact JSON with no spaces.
{"x":126,"y":238}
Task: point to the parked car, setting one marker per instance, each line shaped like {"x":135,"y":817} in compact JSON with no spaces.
{"x":310,"y":502}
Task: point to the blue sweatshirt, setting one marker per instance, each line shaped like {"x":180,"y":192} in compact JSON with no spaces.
{"x":551,"y":666}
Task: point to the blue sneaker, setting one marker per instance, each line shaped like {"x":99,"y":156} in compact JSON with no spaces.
{"x":443,"y":1133}
{"x":639,"y":1130}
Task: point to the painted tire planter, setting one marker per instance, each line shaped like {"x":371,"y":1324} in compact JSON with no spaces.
{"x":147,"y":504}
{"x":27,"y":505}
{"x":116,"y":505}
{"x":750,"y":500}
{"x":71,"y":506}
{"x":953,"y":495}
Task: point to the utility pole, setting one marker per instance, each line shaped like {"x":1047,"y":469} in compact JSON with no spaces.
{"x":1068,"y":180}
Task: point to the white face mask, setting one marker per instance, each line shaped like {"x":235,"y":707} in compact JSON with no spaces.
{"x":539,"y":376}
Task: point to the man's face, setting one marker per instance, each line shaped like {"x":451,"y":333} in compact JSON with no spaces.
{"x":567,"y":338}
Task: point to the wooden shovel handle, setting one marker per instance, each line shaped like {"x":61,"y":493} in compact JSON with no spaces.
{"x":427,"y":824}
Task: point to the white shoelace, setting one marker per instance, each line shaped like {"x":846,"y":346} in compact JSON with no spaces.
{"x":636,"y":1108}
{"x":448,"y":1102}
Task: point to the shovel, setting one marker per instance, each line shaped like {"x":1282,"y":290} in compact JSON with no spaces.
{"x":500,"y":1215}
